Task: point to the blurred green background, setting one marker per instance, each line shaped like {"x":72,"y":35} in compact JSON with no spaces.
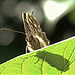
{"x":56,"y":18}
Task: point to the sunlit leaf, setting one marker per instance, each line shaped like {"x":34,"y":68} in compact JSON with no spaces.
{"x":57,"y":59}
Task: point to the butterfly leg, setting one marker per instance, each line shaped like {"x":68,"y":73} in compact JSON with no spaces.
{"x":28,"y":48}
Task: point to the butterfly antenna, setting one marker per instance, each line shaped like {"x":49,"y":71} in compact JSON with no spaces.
{"x":12,"y":30}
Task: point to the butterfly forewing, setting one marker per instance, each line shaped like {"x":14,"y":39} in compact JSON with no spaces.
{"x":35,"y":37}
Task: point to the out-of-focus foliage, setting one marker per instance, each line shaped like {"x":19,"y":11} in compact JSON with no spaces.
{"x":71,"y":17}
{"x":13,"y":44}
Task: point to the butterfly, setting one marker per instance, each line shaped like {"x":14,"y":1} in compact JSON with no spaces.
{"x":35,"y":37}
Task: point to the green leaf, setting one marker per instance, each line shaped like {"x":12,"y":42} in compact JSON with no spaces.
{"x":57,"y":59}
